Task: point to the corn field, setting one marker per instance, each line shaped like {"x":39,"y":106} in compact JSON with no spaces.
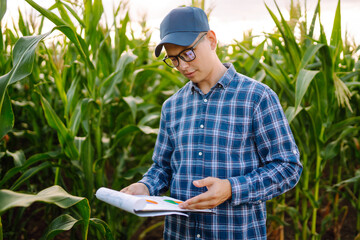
{"x":80,"y":108}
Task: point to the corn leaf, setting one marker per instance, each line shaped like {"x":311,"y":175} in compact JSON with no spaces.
{"x":65,"y":136}
{"x":335,"y":39}
{"x":28,"y":174}
{"x":32,"y":160}
{"x":54,"y":195}
{"x":67,"y":30}
{"x":302,"y":83}
{"x":76,"y":16}
{"x":102,"y":227}
{"x":62,"y":223}
{"x":63,"y":13}
{"x":309,"y":54}
{"x":23,"y":60}
{"x":132,"y":102}
{"x":6,"y":117}
{"x":288,"y":36}
{"x":2,"y":8}
{"x":86,"y":159}
{"x":340,"y":126}
{"x":108,"y":85}
{"x":290,"y":113}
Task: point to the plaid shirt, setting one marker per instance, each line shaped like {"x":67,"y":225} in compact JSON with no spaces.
{"x":237,"y":131}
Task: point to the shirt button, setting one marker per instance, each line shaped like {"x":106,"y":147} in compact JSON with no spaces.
{"x":202,"y":126}
{"x":198,"y":236}
{"x":294,"y":151}
{"x":200,"y":153}
{"x":205,"y":100}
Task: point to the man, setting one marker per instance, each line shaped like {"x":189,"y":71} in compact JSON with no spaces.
{"x":224,"y":142}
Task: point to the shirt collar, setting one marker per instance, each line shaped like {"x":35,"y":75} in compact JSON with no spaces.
{"x":224,"y":80}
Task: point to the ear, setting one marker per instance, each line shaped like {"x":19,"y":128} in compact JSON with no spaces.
{"x":211,"y":36}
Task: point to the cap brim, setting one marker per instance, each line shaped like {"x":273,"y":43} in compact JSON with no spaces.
{"x":177,"y":38}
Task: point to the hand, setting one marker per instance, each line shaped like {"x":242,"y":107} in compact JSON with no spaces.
{"x":136,"y":189}
{"x":219,"y":190}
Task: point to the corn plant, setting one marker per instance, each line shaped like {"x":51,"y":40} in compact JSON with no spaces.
{"x":312,"y":79}
{"x":100,"y":98}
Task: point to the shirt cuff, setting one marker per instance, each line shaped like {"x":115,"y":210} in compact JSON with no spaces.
{"x":239,"y":190}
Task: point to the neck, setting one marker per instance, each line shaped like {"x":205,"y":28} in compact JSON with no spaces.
{"x":214,"y":76}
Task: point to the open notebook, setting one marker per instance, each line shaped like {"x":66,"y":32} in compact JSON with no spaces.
{"x":144,"y":206}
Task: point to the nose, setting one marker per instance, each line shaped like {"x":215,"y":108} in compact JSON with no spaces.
{"x":182,"y":65}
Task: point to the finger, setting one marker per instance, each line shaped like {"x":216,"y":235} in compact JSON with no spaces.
{"x":204,"y":182}
{"x":194,"y":202}
{"x":124,"y":190}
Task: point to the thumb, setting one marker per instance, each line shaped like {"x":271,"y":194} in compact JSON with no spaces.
{"x":203,"y":182}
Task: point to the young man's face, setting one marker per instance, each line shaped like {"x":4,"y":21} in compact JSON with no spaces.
{"x":198,"y":69}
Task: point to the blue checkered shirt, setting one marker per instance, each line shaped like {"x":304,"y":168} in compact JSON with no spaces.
{"x":237,"y":131}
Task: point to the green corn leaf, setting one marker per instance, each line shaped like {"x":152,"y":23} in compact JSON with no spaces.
{"x":63,"y":13}
{"x":47,"y":13}
{"x":340,"y":126}
{"x":129,"y":129}
{"x":28,"y":174}
{"x":54,"y":195}
{"x":165,"y":75}
{"x":313,"y":21}
{"x":84,"y":210}
{"x":71,"y":96}
{"x":32,"y":160}
{"x":65,"y":137}
{"x":57,"y":78}
{"x":86,"y":158}
{"x":6,"y":117}
{"x":288,"y":37}
{"x":132,"y":102}
{"x":23,"y":59}
{"x":149,"y":130}
{"x":1,"y":40}
{"x":335,"y":39}
{"x":310,"y":196}
{"x":76,"y":16}
{"x":309,"y":54}
{"x":250,"y":65}
{"x":130,"y":174}
{"x":149,"y":117}
{"x":23,"y":27}
{"x":303,"y":81}
{"x":67,"y":30}
{"x":60,"y":224}
{"x":18,"y":156}
{"x":355,"y":179}
{"x":81,"y":115}
{"x":108,"y":85}
{"x":280,"y":79}
{"x":2,"y":8}
{"x":290,"y":113}
{"x":102,"y":227}
{"x":79,"y":43}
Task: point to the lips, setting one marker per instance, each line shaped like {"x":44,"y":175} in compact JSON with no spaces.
{"x":189,"y":74}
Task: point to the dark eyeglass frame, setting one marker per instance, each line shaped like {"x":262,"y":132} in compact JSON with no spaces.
{"x":181,"y":57}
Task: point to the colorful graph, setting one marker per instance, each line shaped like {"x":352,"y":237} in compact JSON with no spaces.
{"x":172,"y":201}
{"x":151,"y":201}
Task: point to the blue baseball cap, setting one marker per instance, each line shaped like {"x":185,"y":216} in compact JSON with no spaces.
{"x":182,"y":26}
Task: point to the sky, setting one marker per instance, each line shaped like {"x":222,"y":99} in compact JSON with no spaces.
{"x":229,"y":18}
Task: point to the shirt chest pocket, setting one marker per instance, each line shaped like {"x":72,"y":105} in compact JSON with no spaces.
{"x":230,"y":134}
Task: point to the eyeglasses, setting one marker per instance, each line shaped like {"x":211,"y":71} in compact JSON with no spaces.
{"x":186,"y":55}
